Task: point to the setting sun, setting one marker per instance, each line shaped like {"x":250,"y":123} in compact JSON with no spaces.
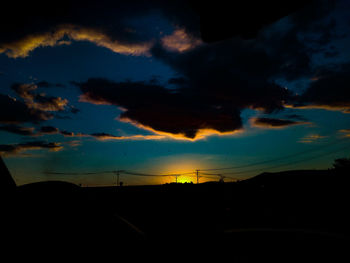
{"x":184,"y":168}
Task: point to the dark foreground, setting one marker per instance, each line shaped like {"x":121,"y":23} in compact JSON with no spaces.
{"x":296,"y":216}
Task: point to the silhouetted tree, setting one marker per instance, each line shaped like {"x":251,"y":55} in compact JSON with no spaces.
{"x":342,"y":164}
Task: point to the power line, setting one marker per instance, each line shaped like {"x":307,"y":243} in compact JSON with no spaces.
{"x":120,"y":171}
{"x":274,"y":160}
{"x":293,"y":162}
{"x":81,"y":173}
{"x":151,"y":175}
{"x":222,"y":175}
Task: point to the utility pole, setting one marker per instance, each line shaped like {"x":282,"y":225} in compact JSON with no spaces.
{"x":117,"y":178}
{"x":197,"y":171}
{"x":117,"y":172}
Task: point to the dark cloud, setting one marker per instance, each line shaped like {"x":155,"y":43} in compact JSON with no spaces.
{"x":48,"y":130}
{"x":308,"y":18}
{"x":232,"y":73}
{"x":29,"y":131}
{"x":14,"y":149}
{"x":54,"y":130}
{"x":67,"y":133}
{"x":14,"y":111}
{"x":274,"y":123}
{"x":177,"y":81}
{"x":331,"y":54}
{"x":242,"y":18}
{"x":31,"y":107}
{"x":38,"y":101}
{"x":102,"y":134}
{"x":72,"y":134}
{"x":329,"y":90}
{"x":161,"y":109}
{"x":45,"y":84}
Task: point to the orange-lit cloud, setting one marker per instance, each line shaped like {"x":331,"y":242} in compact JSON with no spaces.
{"x":343,"y":108}
{"x":161,"y":110}
{"x":16,"y":149}
{"x":345,"y":132}
{"x":39,"y":101}
{"x":90,"y":99}
{"x":312,"y":138}
{"x":23,"y":47}
{"x":180,"y":41}
{"x":15,"y":111}
{"x":49,"y":130}
{"x":74,"y":143}
{"x":18,"y":130}
{"x":51,"y":104}
{"x":201,"y":134}
{"x":107,"y":137}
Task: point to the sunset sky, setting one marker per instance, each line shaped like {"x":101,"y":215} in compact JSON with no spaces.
{"x":134,"y":87}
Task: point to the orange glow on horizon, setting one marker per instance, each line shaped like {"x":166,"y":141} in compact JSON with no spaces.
{"x":185,"y":168}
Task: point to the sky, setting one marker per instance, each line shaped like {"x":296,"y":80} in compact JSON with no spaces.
{"x":91,"y":88}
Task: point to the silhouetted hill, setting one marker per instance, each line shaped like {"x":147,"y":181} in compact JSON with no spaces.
{"x":295,"y":178}
{"x":312,"y":181}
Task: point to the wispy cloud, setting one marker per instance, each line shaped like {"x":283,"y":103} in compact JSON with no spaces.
{"x":13,"y":111}
{"x":107,"y":137}
{"x":39,"y":101}
{"x":312,"y":138}
{"x":15,"y":149}
{"x":180,"y":41}
{"x":273,"y":123}
{"x":345,"y":132}
{"x":18,"y":130}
